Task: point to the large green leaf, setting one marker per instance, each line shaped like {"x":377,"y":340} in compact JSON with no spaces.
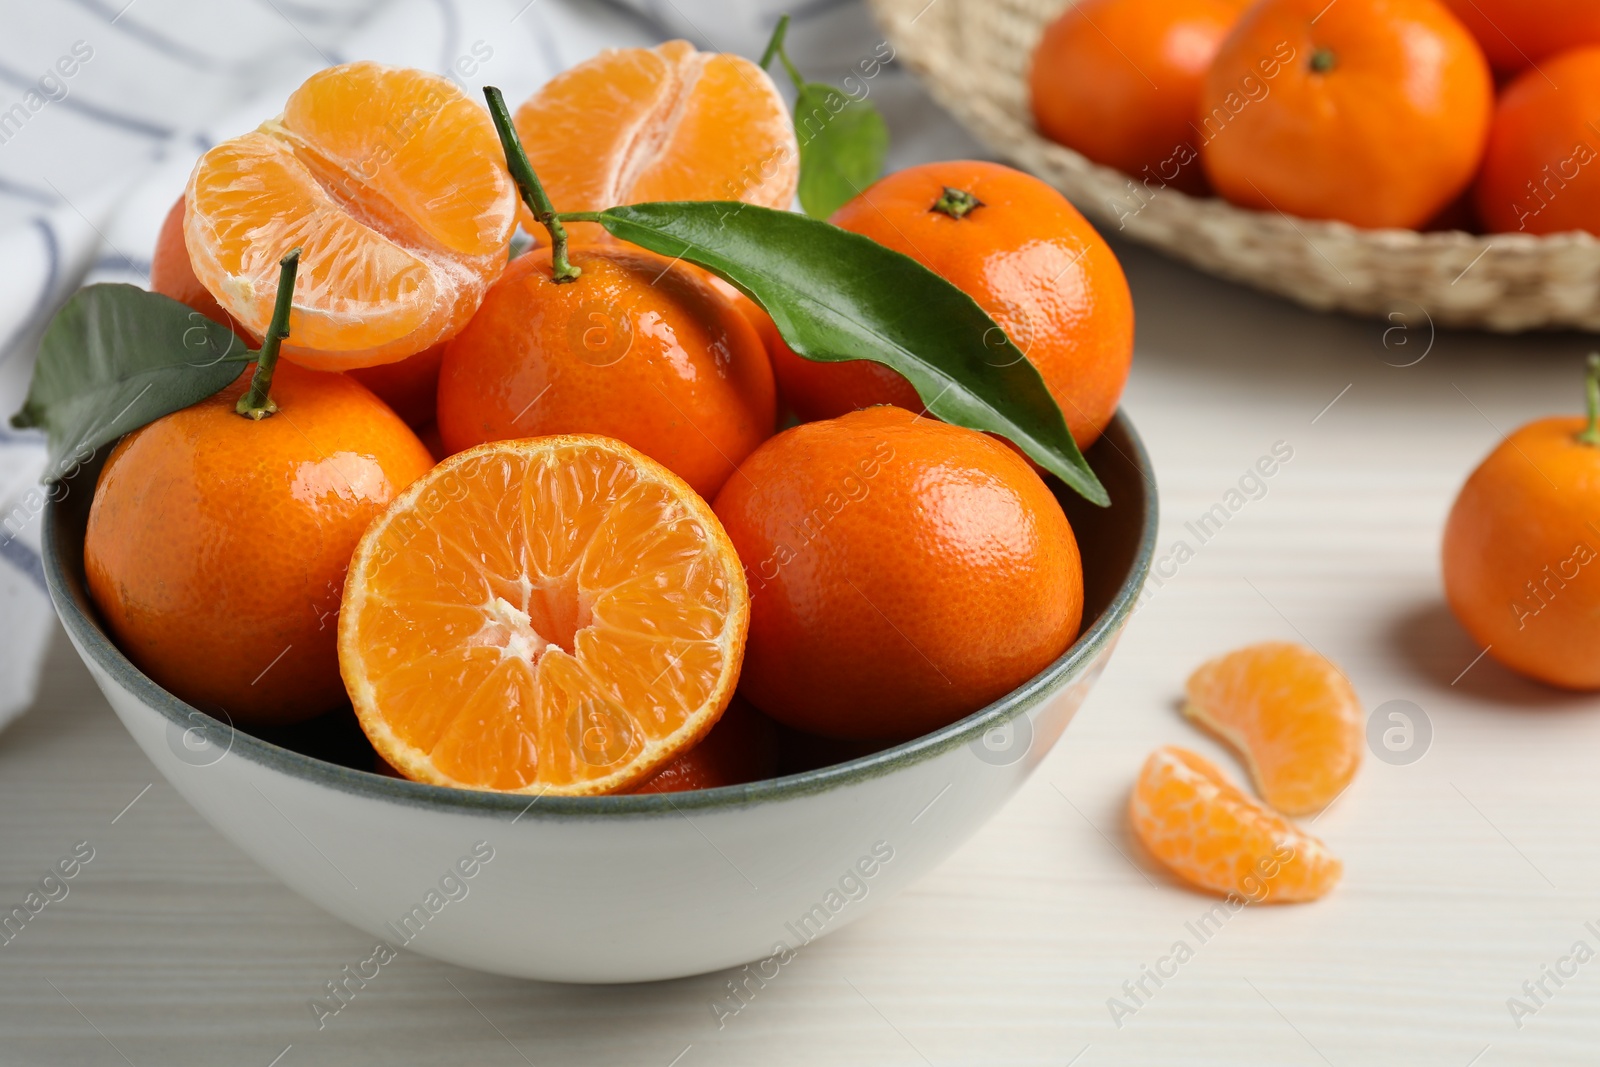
{"x":116,"y":357}
{"x":843,"y":143}
{"x":835,"y":295}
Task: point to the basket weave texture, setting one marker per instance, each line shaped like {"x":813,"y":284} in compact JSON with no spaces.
{"x":973,"y":57}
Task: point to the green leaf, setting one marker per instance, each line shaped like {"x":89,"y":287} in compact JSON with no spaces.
{"x":843,"y":143}
{"x":835,"y":295}
{"x":116,"y":357}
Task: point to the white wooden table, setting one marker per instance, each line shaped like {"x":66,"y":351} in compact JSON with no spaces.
{"x":1466,"y":872}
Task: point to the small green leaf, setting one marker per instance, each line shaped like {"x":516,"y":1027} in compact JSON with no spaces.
{"x":843,"y":143}
{"x":835,"y":295}
{"x":116,"y":357}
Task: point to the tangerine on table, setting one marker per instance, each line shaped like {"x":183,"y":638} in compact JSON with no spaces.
{"x":393,"y":183}
{"x":1119,"y":81}
{"x":636,"y":348}
{"x":1212,"y":835}
{"x":216,"y":545}
{"x":1373,"y":112}
{"x":550,"y":615}
{"x":407,"y":386}
{"x":663,"y":123}
{"x":1290,"y":713}
{"x":903,"y":573}
{"x":1028,"y":258}
{"x":1516,"y":34}
{"x":1540,"y":172}
{"x":1520,"y":547}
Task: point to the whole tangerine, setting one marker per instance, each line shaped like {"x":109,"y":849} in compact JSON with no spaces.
{"x":1520,"y":549}
{"x":903,"y":573}
{"x":1027,"y":257}
{"x":407,"y":386}
{"x":1516,"y":34}
{"x":1373,"y":112}
{"x":1541,"y":172}
{"x":1119,"y":81}
{"x":217,"y":545}
{"x":636,"y":348}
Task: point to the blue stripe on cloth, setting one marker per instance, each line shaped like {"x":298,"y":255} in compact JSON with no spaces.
{"x":80,"y":106}
{"x":24,"y":560}
{"x":27,"y":192}
{"x":152,"y":38}
{"x":46,"y":298}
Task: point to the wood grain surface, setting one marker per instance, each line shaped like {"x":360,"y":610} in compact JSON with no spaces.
{"x":1467,"y":871}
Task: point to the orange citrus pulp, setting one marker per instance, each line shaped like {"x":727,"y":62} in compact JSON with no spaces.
{"x":1212,"y":835}
{"x":663,"y":123}
{"x":393,"y":183}
{"x":1291,"y":715}
{"x":548,"y":615}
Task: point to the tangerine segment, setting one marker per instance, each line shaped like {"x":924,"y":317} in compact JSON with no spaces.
{"x":662,"y":123}
{"x":1291,"y":714}
{"x":549,"y":615}
{"x":1211,"y":835}
{"x":392,"y":182}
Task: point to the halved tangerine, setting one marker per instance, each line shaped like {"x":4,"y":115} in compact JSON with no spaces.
{"x":549,"y":615}
{"x":662,"y":123}
{"x":1292,"y":716}
{"x":394,"y":184}
{"x":1212,"y":835}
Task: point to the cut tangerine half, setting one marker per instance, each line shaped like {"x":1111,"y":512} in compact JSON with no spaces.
{"x":1212,"y":835}
{"x":664,"y":123}
{"x":1290,"y":713}
{"x":550,"y":615}
{"x":393,"y":183}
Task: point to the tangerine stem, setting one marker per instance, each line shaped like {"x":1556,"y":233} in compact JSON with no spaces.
{"x":533,"y":193}
{"x":775,"y":48}
{"x":257,"y":402}
{"x":1591,"y":433}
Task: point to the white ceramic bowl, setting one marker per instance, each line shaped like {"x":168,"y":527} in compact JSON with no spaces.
{"x":617,"y":888}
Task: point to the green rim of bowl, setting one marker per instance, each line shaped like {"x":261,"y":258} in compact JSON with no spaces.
{"x":66,"y":590}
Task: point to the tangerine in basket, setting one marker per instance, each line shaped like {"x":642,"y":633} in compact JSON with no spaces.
{"x":903,"y":573}
{"x":1290,"y":714}
{"x":554,"y":615}
{"x":1119,"y":81}
{"x":216,"y":545}
{"x":636,"y":347}
{"x":407,"y":386}
{"x":1541,"y":172}
{"x":1520,"y":549}
{"x":663,"y":123}
{"x":1027,"y":257}
{"x":1213,"y":836}
{"x":1516,"y":34}
{"x":1372,"y":112}
{"x":393,"y":183}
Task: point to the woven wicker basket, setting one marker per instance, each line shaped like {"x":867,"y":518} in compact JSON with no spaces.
{"x":973,"y":57}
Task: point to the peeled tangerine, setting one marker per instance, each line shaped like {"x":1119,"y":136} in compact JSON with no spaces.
{"x":393,"y":183}
{"x":1209,"y":833}
{"x":548,"y":615}
{"x":1292,"y":716}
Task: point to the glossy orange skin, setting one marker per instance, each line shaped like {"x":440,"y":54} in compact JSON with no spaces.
{"x":1386,"y":137}
{"x":1027,"y":257}
{"x":1541,"y":172}
{"x":215,"y":543}
{"x":1119,"y":81}
{"x":903,"y":573}
{"x":741,"y":747}
{"x":1517,"y":33}
{"x":407,"y":386}
{"x":1522,"y":557}
{"x":636,"y":348}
